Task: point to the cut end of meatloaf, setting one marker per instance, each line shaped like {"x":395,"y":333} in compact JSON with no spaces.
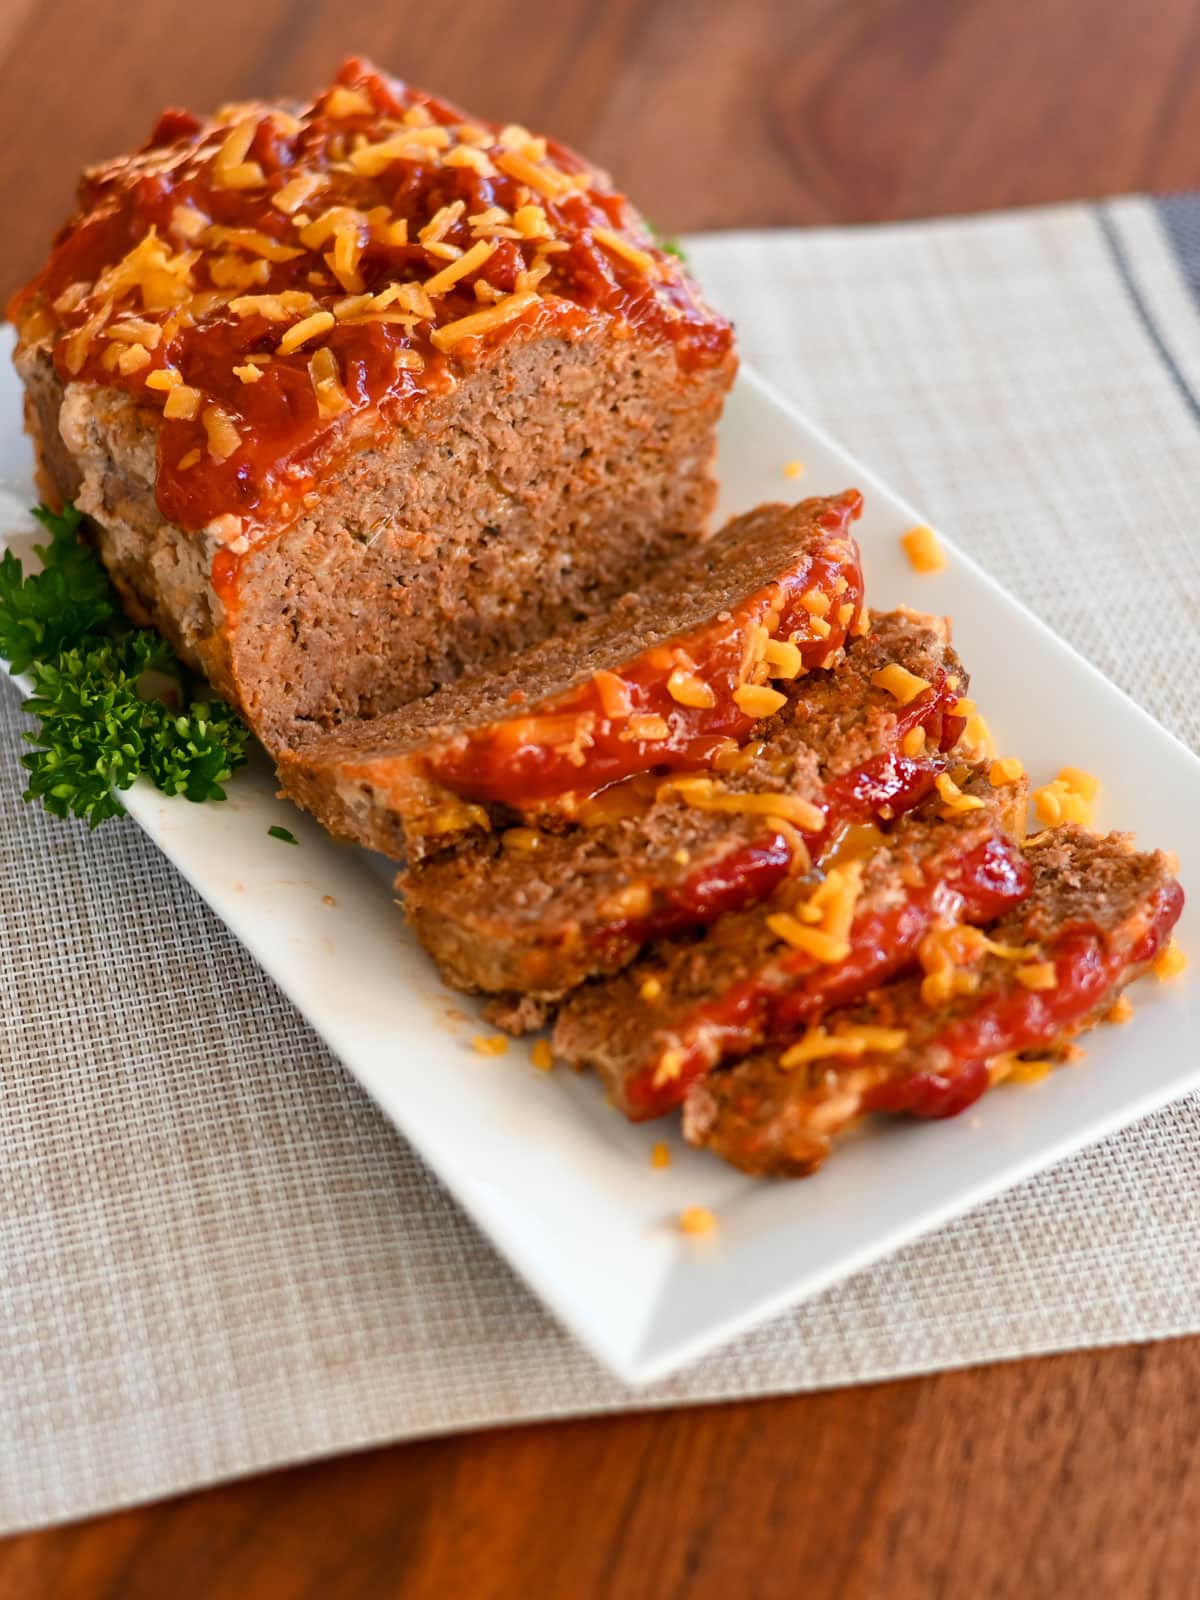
{"x":854,"y":728}
{"x":849,"y":715}
{"x":365,"y":394}
{"x":661,"y":681}
{"x":530,"y":911}
{"x":1097,"y":914}
{"x":688,"y":1006}
{"x":504,"y":919}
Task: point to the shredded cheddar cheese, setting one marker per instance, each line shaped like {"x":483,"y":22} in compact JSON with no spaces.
{"x":493,"y":1044}
{"x":343,"y":102}
{"x":182,"y":403}
{"x":1037,"y":975}
{"x":1007,"y":770}
{"x":1070,"y":798}
{"x":470,"y":261}
{"x":614,"y":693}
{"x":223,"y":438}
{"x":634,"y":900}
{"x":1028,"y":1071}
{"x":301,"y":332}
{"x":818,"y":1044}
{"x":546,"y":181}
{"x":903,"y":686}
{"x":326,"y":380}
{"x":297,"y":192}
{"x":955,"y":799}
{"x":690,"y":691}
{"x":670,"y":1065}
{"x":660,"y":1156}
{"x":646,"y":728}
{"x":947,"y":955}
{"x":1170,"y":962}
{"x":696,"y":1220}
{"x":231,"y":170}
{"x":478,"y":323}
{"x":253,"y":242}
{"x":815,"y":942}
{"x":977,"y":736}
{"x":1081,"y":783}
{"x":820,"y":926}
{"x":522,"y":841}
{"x":924,"y":549}
{"x":707,"y":794}
{"x":616,"y":244}
{"x":542,"y":1056}
{"x":757,"y":700}
{"x":783,"y":659}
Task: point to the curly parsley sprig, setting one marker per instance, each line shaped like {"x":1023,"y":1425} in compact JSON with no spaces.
{"x":112,"y":701}
{"x":43,"y":614}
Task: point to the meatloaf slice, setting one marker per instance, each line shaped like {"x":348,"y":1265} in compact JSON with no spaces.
{"x":1096,"y":916}
{"x":688,"y":1006}
{"x":365,"y":394}
{"x":530,"y":912}
{"x":672,"y":675}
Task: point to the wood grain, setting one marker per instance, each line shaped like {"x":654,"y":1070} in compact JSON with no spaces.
{"x":1074,"y":1475}
{"x":1070,"y":1476}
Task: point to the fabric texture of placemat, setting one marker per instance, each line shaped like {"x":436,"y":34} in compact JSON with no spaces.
{"x":215,"y":1254}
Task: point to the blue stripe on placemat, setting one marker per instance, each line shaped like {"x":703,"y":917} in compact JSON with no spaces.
{"x":1180,"y":216}
{"x":1121,"y":261}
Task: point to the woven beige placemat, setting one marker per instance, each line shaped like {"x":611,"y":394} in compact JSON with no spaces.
{"x":215,"y":1255}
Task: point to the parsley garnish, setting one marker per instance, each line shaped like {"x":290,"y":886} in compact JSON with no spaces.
{"x":71,"y":596}
{"x":113,"y":702}
{"x":667,"y":242}
{"x":285,"y":834}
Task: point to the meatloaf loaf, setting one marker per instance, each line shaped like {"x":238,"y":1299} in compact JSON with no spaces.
{"x":819,"y":942}
{"x":672,"y":675}
{"x":1096,"y":916}
{"x":531,"y":912}
{"x":364,"y":394}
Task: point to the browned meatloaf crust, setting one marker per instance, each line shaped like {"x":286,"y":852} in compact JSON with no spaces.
{"x":659,"y":682}
{"x":1097,"y":915}
{"x":531,"y":912}
{"x":688,"y":1006}
{"x":336,"y":468}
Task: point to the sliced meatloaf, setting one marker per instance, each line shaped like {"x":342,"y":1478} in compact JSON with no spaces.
{"x":364,"y":394}
{"x":667,"y":679}
{"x":820,"y":941}
{"x":1097,"y":914}
{"x":530,"y":912}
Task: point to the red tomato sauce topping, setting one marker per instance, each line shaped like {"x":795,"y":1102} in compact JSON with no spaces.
{"x":275,"y":282}
{"x":1014,"y":1018}
{"x":748,"y":873}
{"x":778,"y":1003}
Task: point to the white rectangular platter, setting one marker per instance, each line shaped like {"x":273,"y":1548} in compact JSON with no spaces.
{"x":563,"y":1186}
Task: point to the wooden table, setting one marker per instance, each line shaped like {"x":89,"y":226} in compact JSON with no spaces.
{"x":1066,"y":1476}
